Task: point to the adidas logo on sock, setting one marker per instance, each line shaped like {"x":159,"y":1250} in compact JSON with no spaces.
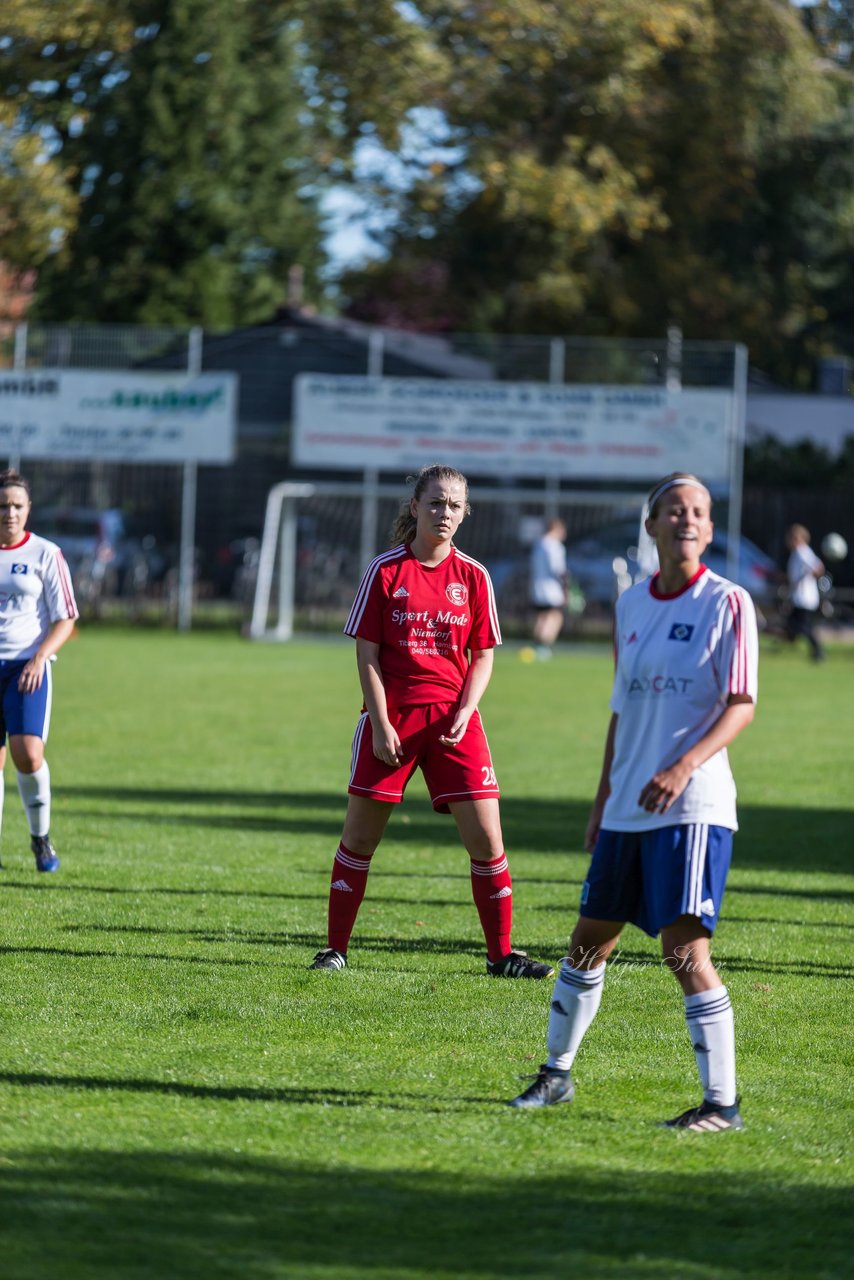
{"x":506,"y":892}
{"x":401,"y":591}
{"x":341,"y":884}
{"x":707,"y":907}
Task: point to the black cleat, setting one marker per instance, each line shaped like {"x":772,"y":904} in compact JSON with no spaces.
{"x":46,"y":859}
{"x":329,"y":959}
{"x":709,"y":1117}
{"x":550,"y":1086}
{"x":517,"y":965}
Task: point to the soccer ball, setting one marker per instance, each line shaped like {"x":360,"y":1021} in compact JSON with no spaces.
{"x":834,"y":546}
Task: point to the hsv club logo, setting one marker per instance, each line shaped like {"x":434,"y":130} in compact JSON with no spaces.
{"x":681,"y":631}
{"x":456,"y":593}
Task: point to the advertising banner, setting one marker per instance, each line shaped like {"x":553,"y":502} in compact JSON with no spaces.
{"x":68,"y":415}
{"x":515,"y":429}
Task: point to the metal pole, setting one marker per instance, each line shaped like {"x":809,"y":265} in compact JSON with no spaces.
{"x":19,"y":363}
{"x":287,"y":569}
{"x":738,"y":415}
{"x":371,"y":476}
{"x":186,"y":564}
{"x":557,"y":360}
{"x":673,"y":370}
{"x":557,"y":376}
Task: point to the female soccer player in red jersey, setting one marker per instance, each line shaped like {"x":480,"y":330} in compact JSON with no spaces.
{"x":425,"y":626}
{"x":37,"y":612}
{"x":662,"y":822}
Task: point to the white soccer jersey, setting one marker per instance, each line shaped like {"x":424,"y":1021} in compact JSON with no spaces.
{"x":678,"y":658}
{"x":548,"y":572}
{"x":803,"y":584}
{"x":35,"y":591}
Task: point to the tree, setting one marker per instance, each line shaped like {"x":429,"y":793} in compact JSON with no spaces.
{"x":618,"y":168}
{"x":182,"y":145}
{"x":38,"y":204}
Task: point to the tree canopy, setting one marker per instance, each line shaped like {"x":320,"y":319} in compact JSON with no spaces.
{"x":621,"y":167}
{"x":606,"y":167}
{"x":172,"y":133}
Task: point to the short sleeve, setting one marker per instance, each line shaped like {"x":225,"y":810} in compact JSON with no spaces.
{"x":618,"y":690}
{"x":737,"y":649}
{"x":485,"y":630}
{"x":58,"y":588}
{"x":366,"y":615}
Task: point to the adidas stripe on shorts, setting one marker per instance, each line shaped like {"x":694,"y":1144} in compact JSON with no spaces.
{"x":452,"y":773}
{"x":650,"y":878}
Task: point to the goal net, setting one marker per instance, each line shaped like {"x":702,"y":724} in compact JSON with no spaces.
{"x":318,"y":539}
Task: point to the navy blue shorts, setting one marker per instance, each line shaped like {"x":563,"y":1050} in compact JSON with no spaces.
{"x":651,"y":878}
{"x":27,"y":713}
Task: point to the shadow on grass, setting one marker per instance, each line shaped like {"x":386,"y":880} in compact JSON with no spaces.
{"x":152,"y":1214}
{"x":282,"y":939}
{"x":365,"y":943}
{"x":732,"y":962}
{"x":83,"y":954}
{"x":778,"y":838}
{"x":302,"y":1096}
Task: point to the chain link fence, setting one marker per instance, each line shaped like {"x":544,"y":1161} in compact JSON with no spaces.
{"x":136,"y":577}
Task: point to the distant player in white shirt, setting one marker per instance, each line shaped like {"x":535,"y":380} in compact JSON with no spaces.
{"x":549,"y":582}
{"x":37,"y":613}
{"x":803,"y":570}
{"x":661,"y":826}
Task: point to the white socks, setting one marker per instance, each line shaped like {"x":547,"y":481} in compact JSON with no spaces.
{"x":576,"y":999}
{"x":712,"y":1032}
{"x":34,"y":789}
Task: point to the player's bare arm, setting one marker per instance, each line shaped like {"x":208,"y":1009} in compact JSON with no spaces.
{"x":668,"y":784}
{"x":32,"y":675}
{"x":594,"y":822}
{"x":479,"y":675}
{"x":385,"y":736}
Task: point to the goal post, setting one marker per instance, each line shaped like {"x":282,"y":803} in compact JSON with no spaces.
{"x":319,"y":538}
{"x":278,"y":544}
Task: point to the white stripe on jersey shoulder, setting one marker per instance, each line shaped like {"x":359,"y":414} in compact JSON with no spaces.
{"x":493,"y":608}
{"x":385,"y":557}
{"x":471,"y":560}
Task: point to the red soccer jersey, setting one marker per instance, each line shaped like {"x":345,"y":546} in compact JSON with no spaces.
{"x":426,"y":621}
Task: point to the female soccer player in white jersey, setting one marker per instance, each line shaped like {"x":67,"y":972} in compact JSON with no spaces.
{"x":661,"y":825}
{"x":37,"y":613}
{"x":422,"y":608}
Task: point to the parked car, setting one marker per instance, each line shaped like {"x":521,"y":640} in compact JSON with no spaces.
{"x":103,"y":559}
{"x":605,"y":561}
{"x":591,"y":562}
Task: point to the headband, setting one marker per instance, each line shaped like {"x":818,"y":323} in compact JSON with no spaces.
{"x":671,"y":484}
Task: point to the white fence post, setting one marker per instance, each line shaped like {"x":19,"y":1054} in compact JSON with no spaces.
{"x":187,"y":561}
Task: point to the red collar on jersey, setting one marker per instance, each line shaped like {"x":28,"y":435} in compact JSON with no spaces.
{"x":671,"y":595}
{"x":14,"y":546}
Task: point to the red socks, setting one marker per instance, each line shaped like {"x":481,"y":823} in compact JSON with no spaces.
{"x":349,"y":881}
{"x":491,"y":888}
{"x":492,"y":891}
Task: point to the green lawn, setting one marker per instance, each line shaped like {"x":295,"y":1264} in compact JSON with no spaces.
{"x":180,"y":1098}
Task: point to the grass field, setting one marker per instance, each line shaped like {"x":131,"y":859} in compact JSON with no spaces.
{"x":180,"y":1098}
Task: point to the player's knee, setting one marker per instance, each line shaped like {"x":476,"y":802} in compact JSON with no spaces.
{"x":28,"y":759}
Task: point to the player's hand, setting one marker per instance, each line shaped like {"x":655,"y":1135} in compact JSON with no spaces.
{"x":594,"y":822}
{"x":664,"y":787}
{"x":457,"y":730}
{"x":32,"y":675}
{"x":387,"y":746}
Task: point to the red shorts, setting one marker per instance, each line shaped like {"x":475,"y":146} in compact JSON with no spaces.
{"x":461,"y":772}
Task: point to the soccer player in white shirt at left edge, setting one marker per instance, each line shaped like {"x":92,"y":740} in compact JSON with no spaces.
{"x":37,"y":616}
{"x":661,"y":826}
